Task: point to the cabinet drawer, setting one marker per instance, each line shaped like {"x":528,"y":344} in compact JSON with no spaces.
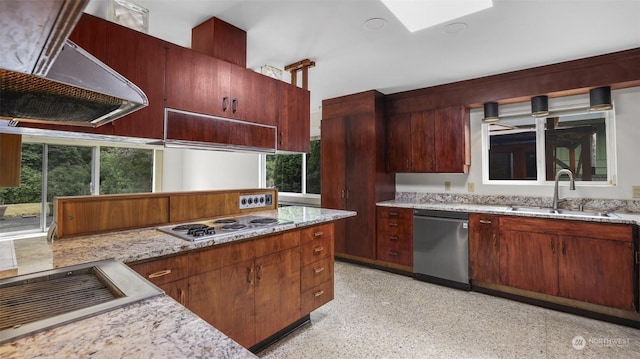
{"x":316,"y":273}
{"x":395,"y":255}
{"x":395,"y":240}
{"x":317,"y":233}
{"x":316,"y":297}
{"x":400,"y":214}
{"x":164,"y":270}
{"x":316,"y":250}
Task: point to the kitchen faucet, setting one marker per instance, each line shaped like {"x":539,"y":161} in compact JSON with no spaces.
{"x":572,"y":186}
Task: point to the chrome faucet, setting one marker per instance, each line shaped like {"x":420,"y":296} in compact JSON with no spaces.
{"x":572,"y":186}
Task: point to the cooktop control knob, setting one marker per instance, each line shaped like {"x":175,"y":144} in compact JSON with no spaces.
{"x":255,"y":200}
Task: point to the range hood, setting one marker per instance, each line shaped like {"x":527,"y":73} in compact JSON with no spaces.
{"x":46,"y":78}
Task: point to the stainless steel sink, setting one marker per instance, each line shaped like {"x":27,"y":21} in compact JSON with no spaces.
{"x":35,"y":302}
{"x":545,"y":210}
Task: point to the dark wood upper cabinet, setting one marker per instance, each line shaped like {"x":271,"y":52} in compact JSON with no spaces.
{"x":293,"y":118}
{"x":431,"y":141}
{"x":217,"y":38}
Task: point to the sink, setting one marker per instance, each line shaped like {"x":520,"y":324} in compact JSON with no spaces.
{"x":568,"y":212}
{"x":35,"y":302}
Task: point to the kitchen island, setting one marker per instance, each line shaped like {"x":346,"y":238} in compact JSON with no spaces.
{"x":158,"y":320}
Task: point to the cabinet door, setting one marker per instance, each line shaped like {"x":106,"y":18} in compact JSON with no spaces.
{"x":141,"y":59}
{"x":178,"y":290}
{"x":399,"y":141}
{"x":257,"y":97}
{"x":360,"y":179}
{"x":293,"y":118}
{"x":484,"y":248}
{"x":197,"y":82}
{"x":225,"y":298}
{"x":451,"y":143}
{"x":422,"y":142}
{"x":528,"y":261}
{"x":277,"y":294}
{"x":597,"y":271}
{"x":332,"y":163}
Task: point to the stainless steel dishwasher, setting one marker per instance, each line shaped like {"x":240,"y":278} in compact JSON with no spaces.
{"x":441,"y":247}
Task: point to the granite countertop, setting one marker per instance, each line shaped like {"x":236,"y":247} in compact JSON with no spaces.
{"x":156,"y":326}
{"x":617,"y":217}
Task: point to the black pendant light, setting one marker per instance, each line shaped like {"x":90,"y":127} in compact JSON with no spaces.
{"x":490,"y":112}
{"x":600,"y":98}
{"x":539,"y":106}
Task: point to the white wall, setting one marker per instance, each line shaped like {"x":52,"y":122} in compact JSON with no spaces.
{"x":627,"y":117}
{"x":194,"y":170}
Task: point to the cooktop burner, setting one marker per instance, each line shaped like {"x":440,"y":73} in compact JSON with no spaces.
{"x":216,"y":228}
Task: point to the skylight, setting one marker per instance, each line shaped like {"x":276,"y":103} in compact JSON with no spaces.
{"x":419,"y":14}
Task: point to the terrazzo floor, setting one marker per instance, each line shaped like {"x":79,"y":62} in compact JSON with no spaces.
{"x":376,"y":314}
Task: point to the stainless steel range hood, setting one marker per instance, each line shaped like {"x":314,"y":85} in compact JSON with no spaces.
{"x":44,"y":77}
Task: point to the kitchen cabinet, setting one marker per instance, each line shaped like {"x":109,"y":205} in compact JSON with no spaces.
{"x":135,"y":55}
{"x":170,"y":274}
{"x":353,"y":169}
{"x":484,"y":248}
{"x":317,"y":267}
{"x":547,"y":256}
{"x":431,"y":141}
{"x":199,"y":83}
{"x":221,"y":40}
{"x":293,"y":118}
{"x":395,"y":236}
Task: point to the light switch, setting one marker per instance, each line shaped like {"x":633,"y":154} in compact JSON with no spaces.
{"x":447,"y":186}
{"x":471,"y":187}
{"x":635,"y":191}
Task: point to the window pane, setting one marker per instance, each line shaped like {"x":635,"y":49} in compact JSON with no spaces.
{"x":313,"y":168}
{"x":125,"y":170}
{"x":23,"y":205}
{"x":69,"y":171}
{"x":284,"y":172}
{"x":512,"y":150}
{"x":578,"y":143}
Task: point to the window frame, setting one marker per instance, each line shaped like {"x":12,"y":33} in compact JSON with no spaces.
{"x":610,"y":130}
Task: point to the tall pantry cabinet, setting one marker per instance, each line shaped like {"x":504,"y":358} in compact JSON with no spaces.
{"x":353,"y":169}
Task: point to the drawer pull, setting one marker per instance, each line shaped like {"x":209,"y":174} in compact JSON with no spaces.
{"x":318,"y":250}
{"x":393,"y":224}
{"x":393,"y":214}
{"x":318,"y":293}
{"x":318,"y":234}
{"x":393,"y":238}
{"x":394,"y":253}
{"x":159,"y":273}
{"x":318,"y":270}
{"x":485,"y":221}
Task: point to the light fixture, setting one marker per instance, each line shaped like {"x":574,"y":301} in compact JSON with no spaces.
{"x":417,"y":15}
{"x":375,"y":23}
{"x":539,"y":106}
{"x":600,"y":98}
{"x":490,"y":112}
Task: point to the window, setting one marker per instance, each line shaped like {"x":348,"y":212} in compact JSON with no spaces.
{"x":295,"y":173}
{"x":53,"y":170}
{"x":524,"y":149}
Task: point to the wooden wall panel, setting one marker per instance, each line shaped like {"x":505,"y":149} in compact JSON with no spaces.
{"x":10,"y":157}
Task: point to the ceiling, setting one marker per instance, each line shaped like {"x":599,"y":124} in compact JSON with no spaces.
{"x":350,"y":58}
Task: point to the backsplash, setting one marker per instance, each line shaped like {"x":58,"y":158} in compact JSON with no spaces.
{"x":594,"y":204}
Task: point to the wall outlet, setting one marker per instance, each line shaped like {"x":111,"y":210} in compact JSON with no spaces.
{"x":471,"y":187}
{"x":447,"y":186}
{"x":635,"y":191}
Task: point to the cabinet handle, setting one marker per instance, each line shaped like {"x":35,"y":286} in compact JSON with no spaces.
{"x":553,"y":246}
{"x":280,"y":138}
{"x":250,"y":275}
{"x":318,"y":234}
{"x":485,"y":221}
{"x":181,"y":297}
{"x":393,"y":238}
{"x":318,"y":270}
{"x":317,"y":250}
{"x":564,"y":249}
{"x":234,"y":105}
{"x":342,"y":194}
{"x":406,"y":165}
{"x":347,"y":193}
{"x":394,"y":253}
{"x":259,"y":273}
{"x":159,"y":273}
{"x":318,"y":293}
{"x":225,"y":104}
{"x":393,"y":224}
{"x":393,"y":214}
{"x":495,"y":240}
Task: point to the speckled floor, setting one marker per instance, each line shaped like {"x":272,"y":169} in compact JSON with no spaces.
{"x":376,"y":314}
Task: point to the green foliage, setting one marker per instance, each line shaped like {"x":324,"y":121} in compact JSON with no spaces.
{"x":125,"y":170}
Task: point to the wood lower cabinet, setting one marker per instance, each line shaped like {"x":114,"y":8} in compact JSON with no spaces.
{"x":484,"y":248}
{"x":548,"y":256}
{"x":432,"y":141}
{"x":252,"y":289}
{"x":353,"y":168}
{"x":395,"y":236}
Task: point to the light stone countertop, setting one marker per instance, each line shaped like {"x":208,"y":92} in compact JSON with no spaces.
{"x":617,"y":217}
{"x":156,"y":327}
